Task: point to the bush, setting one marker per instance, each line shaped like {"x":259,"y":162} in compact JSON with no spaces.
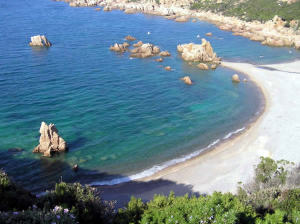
{"x":80,"y":200}
{"x":219,"y":208}
{"x":13,"y":197}
{"x":34,"y":216}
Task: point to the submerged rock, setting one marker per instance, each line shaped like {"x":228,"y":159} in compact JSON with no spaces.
{"x":159,"y":60}
{"x":236,"y":78}
{"x":130,"y":38}
{"x":208,"y":34}
{"x":202,"y":66}
{"x":168,"y":68}
{"x":40,"y":41}
{"x":50,"y":141}
{"x":187,"y":80}
{"x":198,"y":52}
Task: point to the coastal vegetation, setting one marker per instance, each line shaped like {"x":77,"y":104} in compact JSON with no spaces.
{"x":273,"y":196}
{"x":249,"y":10}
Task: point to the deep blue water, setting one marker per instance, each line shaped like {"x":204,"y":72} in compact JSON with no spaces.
{"x":120,"y":116}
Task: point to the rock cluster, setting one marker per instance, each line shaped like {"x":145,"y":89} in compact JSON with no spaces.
{"x":144,"y":51}
{"x":198,"y":52}
{"x":50,"y":141}
{"x":119,"y":47}
{"x":40,"y":41}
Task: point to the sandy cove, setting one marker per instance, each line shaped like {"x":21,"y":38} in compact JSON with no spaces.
{"x":276,"y":133}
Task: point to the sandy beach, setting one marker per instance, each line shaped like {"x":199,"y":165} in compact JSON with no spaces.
{"x":275,"y":134}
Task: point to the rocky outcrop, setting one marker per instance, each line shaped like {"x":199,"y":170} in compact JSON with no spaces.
{"x":197,"y":52}
{"x":130,"y":38}
{"x":187,"y":80}
{"x":144,"y":51}
{"x":119,"y":47}
{"x":50,"y":141}
{"x":203,"y":66}
{"x":40,"y":41}
{"x":236,"y":78}
{"x":165,"y":54}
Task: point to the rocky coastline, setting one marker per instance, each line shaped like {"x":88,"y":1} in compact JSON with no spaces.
{"x":271,"y":33}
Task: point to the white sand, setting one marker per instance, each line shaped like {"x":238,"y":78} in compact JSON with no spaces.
{"x":276,"y":133}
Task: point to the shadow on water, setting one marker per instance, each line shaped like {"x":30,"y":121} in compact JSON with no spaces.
{"x":39,"y":175}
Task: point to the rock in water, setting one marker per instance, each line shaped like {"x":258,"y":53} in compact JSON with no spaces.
{"x":198,"y":52}
{"x":165,"y":54}
{"x":75,"y":168}
{"x":40,"y":41}
{"x":168,"y":68}
{"x":130,"y":38}
{"x":50,"y":141}
{"x":236,"y":78}
{"x":144,"y":51}
{"x":202,"y":66}
{"x":187,"y":80}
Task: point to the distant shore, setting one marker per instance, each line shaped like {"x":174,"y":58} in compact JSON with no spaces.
{"x":275,"y":134}
{"x":271,"y":33}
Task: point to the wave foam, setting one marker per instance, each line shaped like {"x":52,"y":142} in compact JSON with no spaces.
{"x":157,"y":168}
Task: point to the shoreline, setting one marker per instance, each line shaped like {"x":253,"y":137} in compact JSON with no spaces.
{"x":221,"y":168}
{"x":271,"y":33}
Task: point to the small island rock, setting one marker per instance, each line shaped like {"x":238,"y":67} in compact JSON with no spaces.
{"x":40,"y":41}
{"x":50,"y":141}
{"x":144,"y":51}
{"x":165,"y":54}
{"x":130,"y":38}
{"x":168,"y":68}
{"x":187,"y":80}
{"x":159,"y":60}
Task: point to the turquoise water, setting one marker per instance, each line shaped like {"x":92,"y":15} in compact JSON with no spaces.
{"x":122,"y":118}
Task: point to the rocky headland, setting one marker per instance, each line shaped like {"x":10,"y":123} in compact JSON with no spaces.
{"x":273,"y":32}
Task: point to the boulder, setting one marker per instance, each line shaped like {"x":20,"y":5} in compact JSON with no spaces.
{"x":198,"y":52}
{"x":107,"y":9}
{"x":40,"y":41}
{"x":159,"y":60}
{"x":202,"y":66}
{"x":171,"y":17}
{"x":236,"y":78}
{"x":144,"y":51}
{"x":138,"y":44}
{"x":182,"y":19}
{"x":75,"y":168}
{"x":165,"y":54}
{"x":208,"y":34}
{"x":187,"y":80}
{"x":213,"y":66}
{"x":50,"y":141}
{"x":168,"y":68}
{"x":130,"y":38}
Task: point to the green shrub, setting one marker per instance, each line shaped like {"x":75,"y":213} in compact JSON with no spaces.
{"x":34,"y":216}
{"x":13,"y":197}
{"x":80,"y":200}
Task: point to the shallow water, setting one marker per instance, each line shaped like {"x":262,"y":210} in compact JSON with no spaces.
{"x":120,"y":116}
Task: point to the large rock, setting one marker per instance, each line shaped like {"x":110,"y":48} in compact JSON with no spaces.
{"x":50,"y":141}
{"x":40,"y":41}
{"x":144,"y":51}
{"x":198,"y":52}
